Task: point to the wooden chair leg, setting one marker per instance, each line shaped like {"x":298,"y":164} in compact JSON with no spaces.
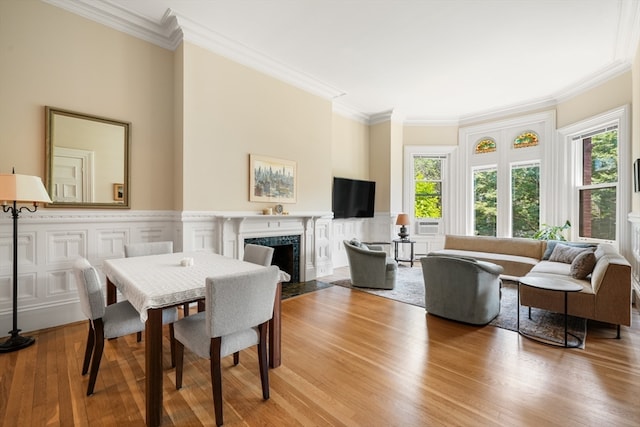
{"x":262,"y":360}
{"x":139,"y":336}
{"x":179,"y":361}
{"x":618,"y":334}
{"x":216,"y":379}
{"x":236,"y":358}
{"x":97,"y":354}
{"x":185,"y":309}
{"x":172,"y":344}
{"x":91,"y":339}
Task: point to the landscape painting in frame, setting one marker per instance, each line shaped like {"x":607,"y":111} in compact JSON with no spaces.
{"x":271,"y":180}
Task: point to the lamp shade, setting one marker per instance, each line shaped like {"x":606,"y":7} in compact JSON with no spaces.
{"x":403,"y":219}
{"x":22,"y":188}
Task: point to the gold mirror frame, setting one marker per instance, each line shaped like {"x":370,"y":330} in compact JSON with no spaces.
{"x":87,"y":160}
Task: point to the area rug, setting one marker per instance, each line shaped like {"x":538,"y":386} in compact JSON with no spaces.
{"x":410,"y":289}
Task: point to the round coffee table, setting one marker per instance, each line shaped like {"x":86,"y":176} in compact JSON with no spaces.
{"x":549,"y":284}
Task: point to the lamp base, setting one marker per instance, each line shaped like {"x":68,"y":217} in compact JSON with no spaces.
{"x":403,"y":233}
{"x":16,"y":342}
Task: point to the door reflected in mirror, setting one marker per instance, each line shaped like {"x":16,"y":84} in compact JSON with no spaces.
{"x":87,"y":160}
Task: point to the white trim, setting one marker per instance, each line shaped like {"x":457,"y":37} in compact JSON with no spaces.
{"x":449,"y":180}
{"x":566,"y":155}
{"x":544,"y":123}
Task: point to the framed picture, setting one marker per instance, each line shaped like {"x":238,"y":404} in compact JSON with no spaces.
{"x":636,"y":176}
{"x":271,"y":180}
{"x":118,"y":192}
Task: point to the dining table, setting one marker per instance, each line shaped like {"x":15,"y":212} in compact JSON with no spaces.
{"x":155,"y":282}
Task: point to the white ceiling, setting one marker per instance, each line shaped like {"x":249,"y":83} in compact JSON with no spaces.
{"x":428,"y":60}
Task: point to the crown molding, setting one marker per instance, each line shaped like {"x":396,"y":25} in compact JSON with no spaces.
{"x":164,"y":34}
{"x":174,"y":29}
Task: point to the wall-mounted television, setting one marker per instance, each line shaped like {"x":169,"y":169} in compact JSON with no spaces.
{"x":353,"y":198}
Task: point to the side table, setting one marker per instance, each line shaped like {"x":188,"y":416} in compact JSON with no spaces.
{"x":397,"y":242}
{"x":550,"y":284}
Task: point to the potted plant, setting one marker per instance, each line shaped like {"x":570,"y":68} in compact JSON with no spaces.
{"x":552,"y":232}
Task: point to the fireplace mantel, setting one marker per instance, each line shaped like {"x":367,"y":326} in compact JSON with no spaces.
{"x":225,"y":232}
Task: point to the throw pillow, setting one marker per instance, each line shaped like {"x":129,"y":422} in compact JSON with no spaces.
{"x":551,"y":245}
{"x":355,"y":242}
{"x":583,"y":265}
{"x":566,"y":254}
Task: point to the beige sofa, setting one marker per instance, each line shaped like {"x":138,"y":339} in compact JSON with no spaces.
{"x":606,"y":292}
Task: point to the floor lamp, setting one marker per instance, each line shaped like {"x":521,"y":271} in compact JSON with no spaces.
{"x":21,"y":189}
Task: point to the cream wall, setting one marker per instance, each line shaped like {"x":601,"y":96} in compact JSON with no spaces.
{"x":231,"y":111}
{"x":430,"y":135}
{"x":350,"y":148}
{"x":52,"y":57}
{"x":379,"y":163}
{"x":635,"y":119}
{"x":609,"y":95}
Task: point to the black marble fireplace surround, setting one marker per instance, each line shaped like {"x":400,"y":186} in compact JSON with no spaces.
{"x":286,"y":254}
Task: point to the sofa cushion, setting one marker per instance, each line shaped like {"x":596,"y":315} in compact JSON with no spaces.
{"x":566,"y":253}
{"x":551,"y":245}
{"x":583,"y":264}
{"x":551,"y":267}
{"x":513,"y":265}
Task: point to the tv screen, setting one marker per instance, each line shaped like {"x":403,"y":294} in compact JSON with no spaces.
{"x":353,"y":198}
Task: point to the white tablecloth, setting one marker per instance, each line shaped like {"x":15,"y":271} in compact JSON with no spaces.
{"x":158,"y":281}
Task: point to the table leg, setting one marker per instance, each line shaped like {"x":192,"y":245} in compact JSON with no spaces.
{"x":565,"y":320}
{"x":412,"y":251}
{"x":275,"y":331}
{"x":153,"y":367}
{"x":395,"y":251}
{"x":112,"y":296}
{"x":518,"y":308}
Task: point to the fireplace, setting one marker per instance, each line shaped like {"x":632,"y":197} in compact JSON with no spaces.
{"x":286,"y":253}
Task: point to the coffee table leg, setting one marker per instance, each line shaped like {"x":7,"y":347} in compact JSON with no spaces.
{"x":518,"y":307}
{"x":565,"y":320}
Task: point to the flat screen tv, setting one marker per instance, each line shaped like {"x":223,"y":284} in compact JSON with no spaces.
{"x":353,"y":198}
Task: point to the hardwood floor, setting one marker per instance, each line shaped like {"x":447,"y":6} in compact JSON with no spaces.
{"x":349,"y":359}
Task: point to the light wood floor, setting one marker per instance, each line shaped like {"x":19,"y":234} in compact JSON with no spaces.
{"x":349,"y":359}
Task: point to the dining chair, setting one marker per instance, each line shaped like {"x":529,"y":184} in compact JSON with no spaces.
{"x":237,"y":310}
{"x":105,"y":321}
{"x":258,"y":254}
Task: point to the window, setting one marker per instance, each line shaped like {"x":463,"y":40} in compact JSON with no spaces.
{"x":525,"y":199}
{"x":427,"y":188}
{"x":485,"y":199}
{"x":427,"y":202}
{"x":501,"y":190}
{"x":597,"y":188}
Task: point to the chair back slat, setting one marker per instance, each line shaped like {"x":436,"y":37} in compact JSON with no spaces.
{"x":240,"y":301}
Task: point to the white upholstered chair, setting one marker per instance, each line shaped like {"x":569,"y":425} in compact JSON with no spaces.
{"x":237,"y":310}
{"x":105,"y":322}
{"x":258,"y":254}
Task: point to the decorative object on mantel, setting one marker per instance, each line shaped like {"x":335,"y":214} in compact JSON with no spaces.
{"x":278,"y":209}
{"x":271,"y":180}
{"x":19,"y":189}
{"x":403,"y":221}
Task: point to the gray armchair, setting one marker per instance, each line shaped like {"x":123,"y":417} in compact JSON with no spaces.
{"x":370,"y":266}
{"x":461,"y":289}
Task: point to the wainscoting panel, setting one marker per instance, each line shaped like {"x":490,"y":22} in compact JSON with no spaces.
{"x":634,"y":219}
{"x":50,"y":240}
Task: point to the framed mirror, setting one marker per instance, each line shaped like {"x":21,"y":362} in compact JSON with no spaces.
{"x":87,"y":160}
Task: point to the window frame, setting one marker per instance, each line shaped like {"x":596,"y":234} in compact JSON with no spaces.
{"x":570,"y":152}
{"x":448,"y":155}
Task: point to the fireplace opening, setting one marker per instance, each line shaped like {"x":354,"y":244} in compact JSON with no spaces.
{"x":283,"y":258}
{"x":286,"y":253}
